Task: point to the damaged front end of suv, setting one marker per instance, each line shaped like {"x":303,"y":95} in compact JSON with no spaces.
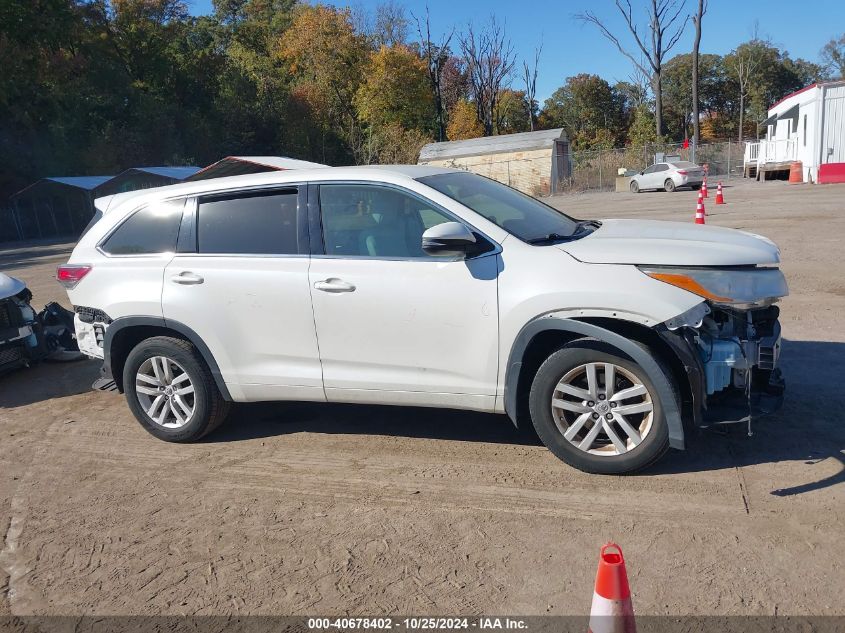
{"x":730,"y":342}
{"x":21,"y":341}
{"x":27,"y":337}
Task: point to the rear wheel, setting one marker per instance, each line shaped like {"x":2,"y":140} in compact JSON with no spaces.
{"x":669,"y":185}
{"x":635,"y":186}
{"x":170,"y":390}
{"x":597,"y":410}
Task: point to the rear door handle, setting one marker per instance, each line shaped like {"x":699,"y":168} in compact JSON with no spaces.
{"x":332,"y":284}
{"x":187,"y":278}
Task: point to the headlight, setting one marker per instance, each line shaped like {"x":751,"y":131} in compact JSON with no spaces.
{"x":726,"y":286}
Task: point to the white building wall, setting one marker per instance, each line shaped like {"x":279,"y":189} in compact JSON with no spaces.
{"x":807,"y":139}
{"x":832,"y":149}
{"x":818,"y":136}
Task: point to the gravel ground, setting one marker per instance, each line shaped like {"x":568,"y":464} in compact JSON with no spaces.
{"x":327,"y":509}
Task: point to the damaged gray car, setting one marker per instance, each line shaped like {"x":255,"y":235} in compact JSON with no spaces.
{"x":27,"y":336}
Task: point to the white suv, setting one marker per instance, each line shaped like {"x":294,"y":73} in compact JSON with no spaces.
{"x":426,"y":287}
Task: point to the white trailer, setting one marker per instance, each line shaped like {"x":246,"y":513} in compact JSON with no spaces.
{"x":807,"y":126}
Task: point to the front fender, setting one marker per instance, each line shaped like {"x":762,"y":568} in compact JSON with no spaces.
{"x":546,"y":323}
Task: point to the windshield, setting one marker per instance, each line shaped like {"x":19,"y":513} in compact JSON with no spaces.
{"x":529,"y":219}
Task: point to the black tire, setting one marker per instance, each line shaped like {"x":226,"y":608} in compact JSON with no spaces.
{"x":635,"y":186}
{"x":669,"y":185}
{"x":653,"y":446}
{"x":210,"y":408}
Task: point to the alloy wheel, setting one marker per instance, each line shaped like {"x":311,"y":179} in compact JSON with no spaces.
{"x":602,"y":409}
{"x":165,"y":392}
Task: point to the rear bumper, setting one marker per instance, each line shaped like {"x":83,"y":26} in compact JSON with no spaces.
{"x":89,"y":336}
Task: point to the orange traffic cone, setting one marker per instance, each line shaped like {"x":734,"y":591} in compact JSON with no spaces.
{"x":720,"y":199}
{"x":612,"y":611}
{"x":699,"y":211}
{"x":703,"y":189}
{"x":701,"y":201}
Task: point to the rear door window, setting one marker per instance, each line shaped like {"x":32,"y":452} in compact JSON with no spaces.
{"x":259,"y":223}
{"x":151,"y":229}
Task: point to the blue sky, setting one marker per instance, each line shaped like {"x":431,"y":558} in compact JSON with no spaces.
{"x":570,"y":48}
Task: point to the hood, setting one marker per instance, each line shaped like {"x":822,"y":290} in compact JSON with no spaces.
{"x":671,"y":244}
{"x":10,"y":286}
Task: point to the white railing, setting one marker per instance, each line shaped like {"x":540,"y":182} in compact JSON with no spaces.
{"x":752,"y":151}
{"x":774,"y":151}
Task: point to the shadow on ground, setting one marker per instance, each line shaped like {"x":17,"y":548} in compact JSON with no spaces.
{"x":250,"y":421}
{"x":46,"y":381}
{"x":810,"y":428}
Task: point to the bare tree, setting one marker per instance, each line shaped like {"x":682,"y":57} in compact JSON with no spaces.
{"x":665,"y":25}
{"x":391,"y":24}
{"x":436,"y":57}
{"x":386,"y":25}
{"x":833,"y":57}
{"x":696,"y":20}
{"x":490,"y":61}
{"x":742,"y":63}
{"x":529,"y":76}
{"x":635,"y":88}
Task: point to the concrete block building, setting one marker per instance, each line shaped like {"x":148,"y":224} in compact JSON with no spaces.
{"x":536,"y":163}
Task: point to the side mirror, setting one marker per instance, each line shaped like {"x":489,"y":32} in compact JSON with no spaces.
{"x":447,"y":240}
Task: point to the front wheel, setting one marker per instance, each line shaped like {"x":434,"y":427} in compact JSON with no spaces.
{"x":669,"y":185}
{"x":171,"y":391}
{"x":635,"y":186}
{"x":597,"y":410}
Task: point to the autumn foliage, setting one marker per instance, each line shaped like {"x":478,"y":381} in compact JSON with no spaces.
{"x":97,"y":86}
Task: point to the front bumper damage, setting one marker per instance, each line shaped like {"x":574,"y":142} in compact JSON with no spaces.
{"x":27,"y":337}
{"x":731,"y":360}
{"x":21,"y":337}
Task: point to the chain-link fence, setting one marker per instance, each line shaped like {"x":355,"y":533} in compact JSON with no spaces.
{"x":598,"y":169}
{"x":540,"y":173}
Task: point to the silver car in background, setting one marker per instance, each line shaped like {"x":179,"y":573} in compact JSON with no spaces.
{"x":668,"y":176}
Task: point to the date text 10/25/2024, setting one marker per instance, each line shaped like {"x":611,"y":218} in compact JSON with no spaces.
{"x":416,"y":624}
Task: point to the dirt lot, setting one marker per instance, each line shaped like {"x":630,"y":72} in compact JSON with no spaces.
{"x":316,"y":509}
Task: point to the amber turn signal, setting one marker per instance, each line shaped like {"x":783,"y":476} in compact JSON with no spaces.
{"x":689,"y":284}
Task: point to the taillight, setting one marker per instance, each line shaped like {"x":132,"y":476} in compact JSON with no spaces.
{"x":71,"y":274}
{"x":683,"y":172}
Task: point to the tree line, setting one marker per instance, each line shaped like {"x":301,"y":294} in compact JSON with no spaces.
{"x":96,"y":86}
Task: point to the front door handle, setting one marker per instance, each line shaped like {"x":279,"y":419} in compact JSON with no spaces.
{"x":187,"y":278}
{"x":332,"y":284}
